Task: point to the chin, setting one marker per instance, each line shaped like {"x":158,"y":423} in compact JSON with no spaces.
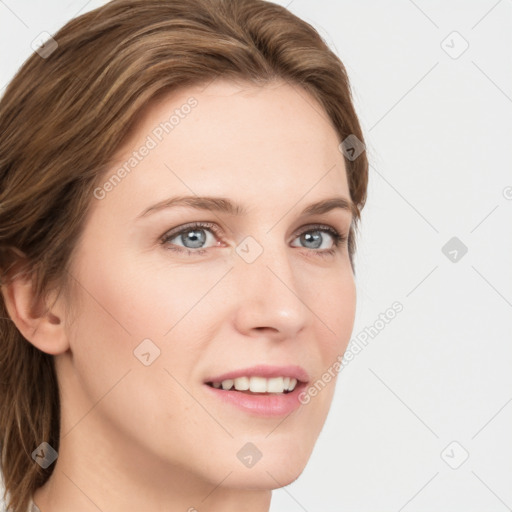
{"x":266,"y":478}
{"x":279,"y":465}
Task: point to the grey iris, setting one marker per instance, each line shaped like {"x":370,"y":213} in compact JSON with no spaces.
{"x":317,"y":238}
{"x":199,"y":236}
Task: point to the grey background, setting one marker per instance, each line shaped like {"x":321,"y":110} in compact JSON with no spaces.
{"x":434,"y":385}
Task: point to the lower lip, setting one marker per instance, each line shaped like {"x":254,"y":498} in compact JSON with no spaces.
{"x":261,"y":405}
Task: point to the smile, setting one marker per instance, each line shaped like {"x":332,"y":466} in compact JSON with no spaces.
{"x":260,"y":385}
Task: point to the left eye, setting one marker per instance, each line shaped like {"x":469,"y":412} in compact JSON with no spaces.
{"x":315,"y":237}
{"x":193,"y":237}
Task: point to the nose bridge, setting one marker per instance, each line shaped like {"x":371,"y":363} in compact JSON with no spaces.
{"x":264,"y":258}
{"x":269,"y":294}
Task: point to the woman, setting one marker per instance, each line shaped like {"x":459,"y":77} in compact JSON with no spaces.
{"x":181,"y":184}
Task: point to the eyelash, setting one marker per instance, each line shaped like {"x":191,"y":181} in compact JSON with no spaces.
{"x":339,"y":238}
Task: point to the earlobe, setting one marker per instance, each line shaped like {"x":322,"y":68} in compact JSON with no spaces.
{"x":41,"y":323}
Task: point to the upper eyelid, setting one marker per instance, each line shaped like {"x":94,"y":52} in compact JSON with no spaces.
{"x":173,"y":233}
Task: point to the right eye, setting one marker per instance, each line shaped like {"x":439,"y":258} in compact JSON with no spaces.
{"x":194,"y":234}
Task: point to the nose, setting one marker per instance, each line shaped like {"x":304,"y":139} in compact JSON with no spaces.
{"x":271,"y":294}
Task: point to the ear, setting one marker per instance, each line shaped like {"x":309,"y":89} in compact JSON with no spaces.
{"x":41,"y":323}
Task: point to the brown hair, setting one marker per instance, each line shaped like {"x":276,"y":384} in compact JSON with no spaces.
{"x":65,"y":114}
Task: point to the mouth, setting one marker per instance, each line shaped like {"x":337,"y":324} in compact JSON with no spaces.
{"x":261,"y":378}
{"x":258,"y":396}
{"x":256,"y":385}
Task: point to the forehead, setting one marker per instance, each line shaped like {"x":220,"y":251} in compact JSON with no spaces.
{"x":228,"y":137}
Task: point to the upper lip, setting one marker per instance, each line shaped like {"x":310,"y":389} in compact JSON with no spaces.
{"x":262,"y":370}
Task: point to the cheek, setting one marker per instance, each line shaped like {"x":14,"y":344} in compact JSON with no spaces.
{"x":119,"y":306}
{"x":335,"y":306}
{"x":142,"y":297}
{"x":129,"y":300}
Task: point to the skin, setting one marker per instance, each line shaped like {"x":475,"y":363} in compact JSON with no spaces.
{"x":136,"y":437}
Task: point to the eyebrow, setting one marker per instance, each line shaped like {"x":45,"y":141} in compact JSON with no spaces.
{"x":224,"y":205}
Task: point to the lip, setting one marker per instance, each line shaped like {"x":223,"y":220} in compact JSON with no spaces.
{"x":268,"y":405}
{"x":260,"y":405}
{"x":267,"y":371}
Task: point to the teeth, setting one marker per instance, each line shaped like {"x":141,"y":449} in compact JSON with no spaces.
{"x":227,"y":384}
{"x":258,"y":384}
{"x":242,"y":383}
{"x":275,"y":385}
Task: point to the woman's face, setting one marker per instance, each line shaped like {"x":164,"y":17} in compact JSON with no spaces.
{"x":158,"y":320}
